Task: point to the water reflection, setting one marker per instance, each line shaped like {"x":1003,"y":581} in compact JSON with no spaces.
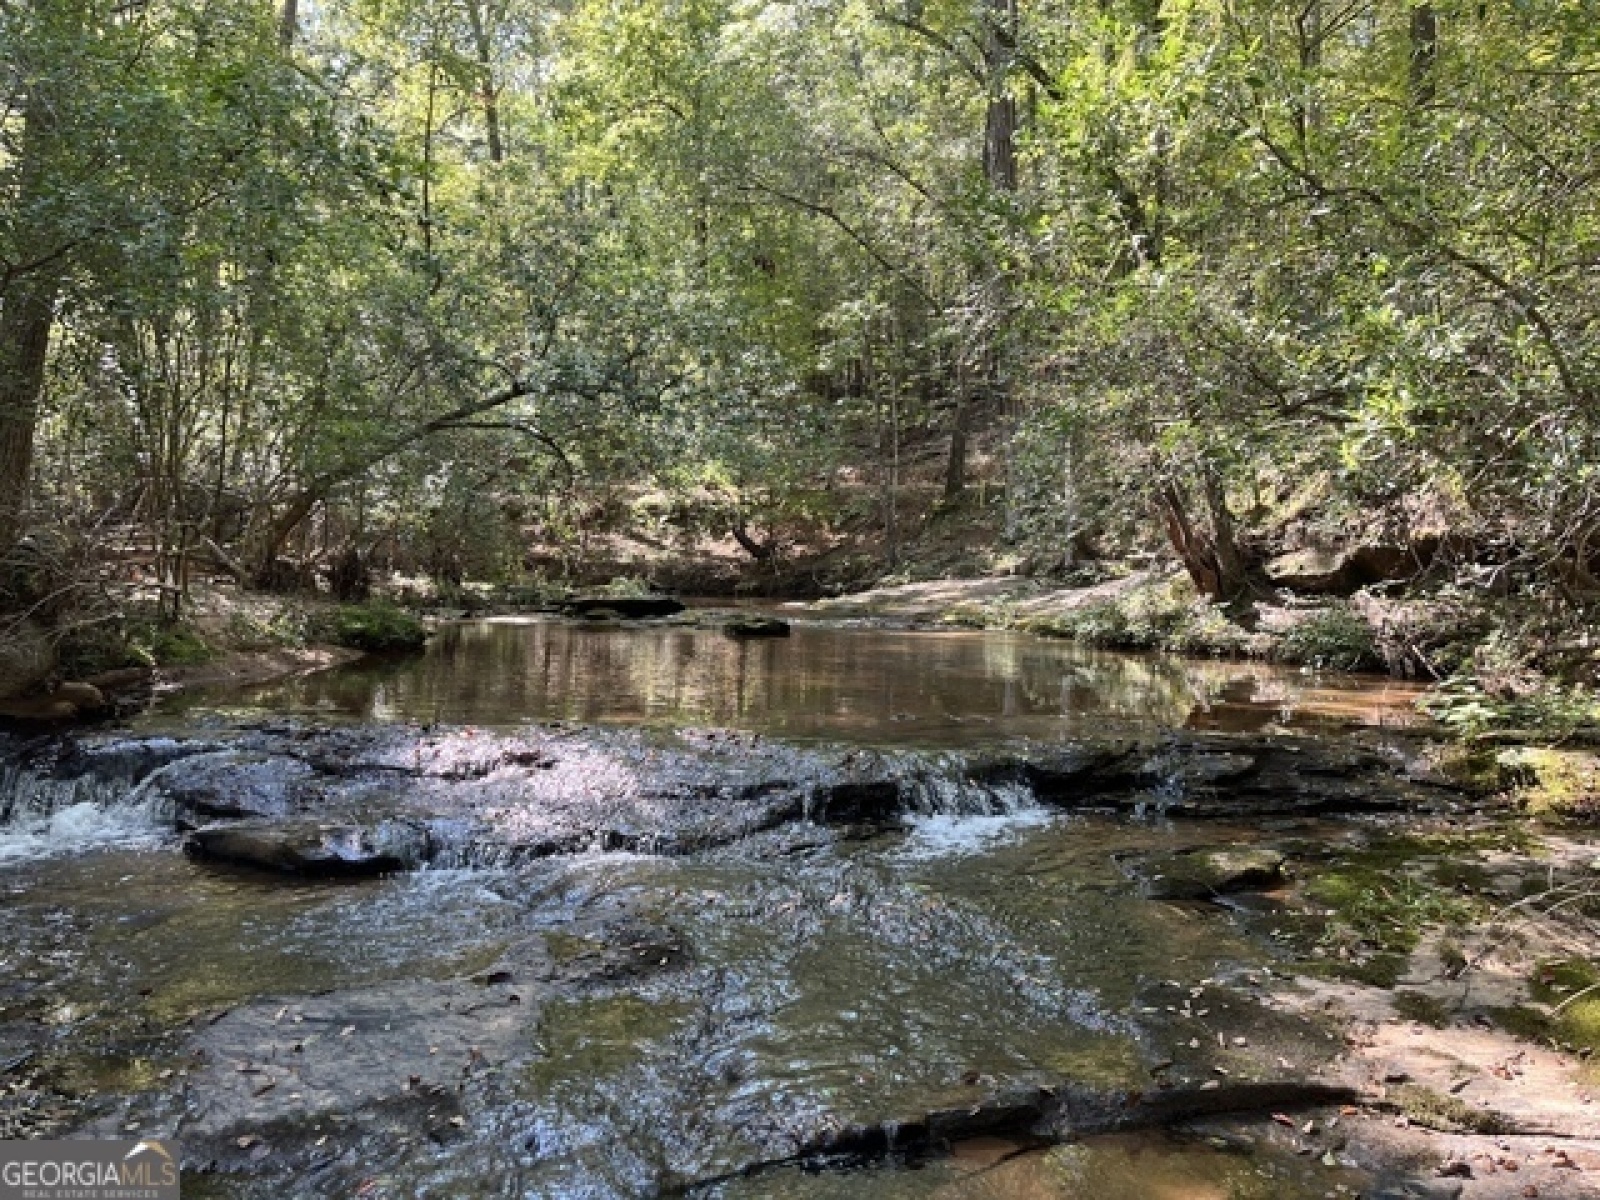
{"x":824,"y":682}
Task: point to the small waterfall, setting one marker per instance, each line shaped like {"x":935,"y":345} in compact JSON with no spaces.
{"x":42,"y":816}
{"x":952,"y":796}
{"x":948,"y":813}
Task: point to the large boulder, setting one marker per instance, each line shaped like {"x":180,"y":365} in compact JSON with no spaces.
{"x":1326,"y":571}
{"x":311,"y":847}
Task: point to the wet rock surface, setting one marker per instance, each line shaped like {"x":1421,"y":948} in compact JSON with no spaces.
{"x":581,"y":962}
{"x":381,"y":798}
{"x":1207,"y":872}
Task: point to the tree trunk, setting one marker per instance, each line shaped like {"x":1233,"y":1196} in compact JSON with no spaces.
{"x":26,"y":312}
{"x":489,"y":96}
{"x":1211,"y":557}
{"x":1000,"y":117}
{"x":760,"y":551}
{"x":1424,"y":53}
{"x":955,"y":467}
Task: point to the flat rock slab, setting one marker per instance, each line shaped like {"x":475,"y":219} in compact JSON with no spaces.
{"x":1434,"y":1074}
{"x":395,"y":1057}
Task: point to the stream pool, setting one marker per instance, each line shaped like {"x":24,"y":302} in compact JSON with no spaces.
{"x":763,"y":1018}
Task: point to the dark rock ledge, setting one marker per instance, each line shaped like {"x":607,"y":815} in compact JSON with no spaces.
{"x":378,"y":799}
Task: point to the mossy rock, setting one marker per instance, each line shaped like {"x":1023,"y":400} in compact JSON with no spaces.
{"x":377,"y":629}
{"x":1213,"y":871}
{"x":1445,"y":1114}
{"x":1560,"y":786}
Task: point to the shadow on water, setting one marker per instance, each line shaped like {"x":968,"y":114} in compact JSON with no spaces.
{"x":823,"y":683}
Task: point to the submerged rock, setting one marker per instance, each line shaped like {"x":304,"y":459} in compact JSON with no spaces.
{"x":313,"y":847}
{"x":1206,"y":872}
{"x":233,"y":784}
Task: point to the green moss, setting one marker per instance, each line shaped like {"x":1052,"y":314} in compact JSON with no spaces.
{"x":1557,"y":786}
{"x":1524,"y":1022}
{"x":377,"y":628}
{"x":1562,"y":982}
{"x":1422,"y":1008}
{"x":1447,"y":1114}
{"x":1377,"y":902}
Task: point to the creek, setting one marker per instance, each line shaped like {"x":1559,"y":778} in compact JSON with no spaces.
{"x":559,"y":911}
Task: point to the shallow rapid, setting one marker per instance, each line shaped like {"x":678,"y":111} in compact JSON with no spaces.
{"x":879,"y":934}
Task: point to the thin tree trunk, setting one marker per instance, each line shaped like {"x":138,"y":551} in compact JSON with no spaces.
{"x":288,"y":25}
{"x":489,"y":95}
{"x":955,"y":467}
{"x":26,"y":313}
{"x":1424,"y":53}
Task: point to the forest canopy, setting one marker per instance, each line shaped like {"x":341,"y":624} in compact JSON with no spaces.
{"x":447,"y":285}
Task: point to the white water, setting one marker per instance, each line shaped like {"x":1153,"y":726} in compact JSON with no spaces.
{"x":49,"y":817}
{"x":950,"y":835}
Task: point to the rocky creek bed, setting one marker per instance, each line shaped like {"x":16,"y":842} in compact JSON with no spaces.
{"x":397,"y":960}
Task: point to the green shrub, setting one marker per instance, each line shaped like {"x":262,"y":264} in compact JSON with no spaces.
{"x":1470,"y":707}
{"x":1336,"y":638}
{"x":377,"y":628}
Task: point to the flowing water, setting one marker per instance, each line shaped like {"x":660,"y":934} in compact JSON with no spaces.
{"x":678,"y":1021}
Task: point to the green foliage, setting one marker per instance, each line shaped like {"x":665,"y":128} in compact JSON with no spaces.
{"x":160,"y":644}
{"x":287,"y":626}
{"x":1466,"y":705}
{"x":376,"y":629}
{"x":1334,"y":638}
{"x":627,"y":585}
{"x":445,"y":283}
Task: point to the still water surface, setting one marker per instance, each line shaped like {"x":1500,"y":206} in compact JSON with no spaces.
{"x":826,"y":682}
